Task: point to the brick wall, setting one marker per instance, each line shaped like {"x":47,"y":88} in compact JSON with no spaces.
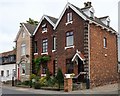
{"x":103,"y":61}
{"x":39,"y":36}
{"x":78,"y":31}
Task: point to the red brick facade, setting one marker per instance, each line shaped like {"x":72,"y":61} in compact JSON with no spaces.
{"x":103,"y":61}
{"x":39,"y":36}
{"x":100,"y":63}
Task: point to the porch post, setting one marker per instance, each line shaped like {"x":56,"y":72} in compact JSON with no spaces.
{"x":67,"y":84}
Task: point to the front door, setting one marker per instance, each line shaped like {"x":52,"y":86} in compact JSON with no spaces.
{"x":80,"y":69}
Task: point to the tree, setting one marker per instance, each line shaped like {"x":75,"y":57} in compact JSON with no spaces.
{"x":33,"y":22}
{"x":59,"y":77}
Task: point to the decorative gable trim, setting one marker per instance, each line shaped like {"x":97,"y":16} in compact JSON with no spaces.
{"x":72,"y":7}
{"x":43,"y":17}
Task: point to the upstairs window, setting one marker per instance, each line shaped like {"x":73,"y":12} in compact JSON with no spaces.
{"x":23,"y":49}
{"x":69,"y":17}
{"x":44,"y":45}
{"x":44,"y":28}
{"x":54,"y":43}
{"x":69,"y":39}
{"x":23,"y":34}
{"x":105,"y":42}
{"x":35,"y":47}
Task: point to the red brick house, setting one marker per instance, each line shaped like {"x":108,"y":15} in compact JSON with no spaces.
{"x":85,"y":45}
{"x":44,"y":37}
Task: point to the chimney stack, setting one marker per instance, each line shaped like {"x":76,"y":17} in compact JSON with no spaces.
{"x":87,"y":4}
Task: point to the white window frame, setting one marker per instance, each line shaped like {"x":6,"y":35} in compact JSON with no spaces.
{"x":104,"y":42}
{"x":7,"y":73}
{"x":23,"y":34}
{"x":44,"y":46}
{"x":54,"y":44}
{"x":23,"y":49}
{"x":69,"y":35}
{"x":44,"y":28}
{"x":69,"y":18}
{"x":23,"y":67}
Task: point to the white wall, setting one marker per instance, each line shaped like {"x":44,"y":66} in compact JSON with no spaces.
{"x":6,"y":67}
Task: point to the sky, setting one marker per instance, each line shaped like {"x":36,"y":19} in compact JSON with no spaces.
{"x":13,"y":12}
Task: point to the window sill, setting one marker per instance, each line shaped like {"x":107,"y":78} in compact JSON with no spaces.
{"x":46,"y":53}
{"x":105,"y":47}
{"x":43,"y":75}
{"x":70,"y":22}
{"x":69,"y":47}
{"x":53,"y":50}
{"x":35,"y":53}
{"x":22,"y":74}
{"x":44,"y":31}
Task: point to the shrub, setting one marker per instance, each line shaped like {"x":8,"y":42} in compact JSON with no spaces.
{"x":37,"y":85}
{"x":43,"y":81}
{"x":32,"y":76}
{"x":25,"y":82}
{"x":47,"y":74}
{"x":59,"y":77}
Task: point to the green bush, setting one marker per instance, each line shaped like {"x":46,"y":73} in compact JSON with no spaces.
{"x":60,"y":78}
{"x":26,"y":82}
{"x":43,"y":81}
{"x":37,"y":85}
{"x":32,"y":76}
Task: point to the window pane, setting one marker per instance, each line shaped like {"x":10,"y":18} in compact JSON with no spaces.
{"x":35,"y":46}
{"x":23,"y":49}
{"x":69,"y":17}
{"x":54,"y":43}
{"x":23,"y":69}
{"x":69,"y":38}
{"x":105,"y":42}
{"x":45,"y":46}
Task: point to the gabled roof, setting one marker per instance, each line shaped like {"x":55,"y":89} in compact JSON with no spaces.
{"x":28,"y":27}
{"x":79,"y":12}
{"x":51,"y":20}
{"x":84,"y":16}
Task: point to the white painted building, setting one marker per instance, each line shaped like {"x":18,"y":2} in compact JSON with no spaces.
{"x":7,"y":65}
{"x":7,"y":72}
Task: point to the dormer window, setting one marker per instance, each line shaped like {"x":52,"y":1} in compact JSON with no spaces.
{"x":69,"y":18}
{"x":44,"y":28}
{"x":91,"y":14}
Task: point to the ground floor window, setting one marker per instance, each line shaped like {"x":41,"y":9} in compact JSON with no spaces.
{"x":23,"y":69}
{"x":2,"y":73}
{"x":44,"y":68}
{"x":7,"y":73}
{"x":69,"y":66}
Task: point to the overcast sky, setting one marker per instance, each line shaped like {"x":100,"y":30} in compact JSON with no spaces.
{"x":12,"y":12}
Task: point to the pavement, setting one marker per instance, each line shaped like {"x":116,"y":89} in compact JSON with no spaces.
{"x":106,"y":89}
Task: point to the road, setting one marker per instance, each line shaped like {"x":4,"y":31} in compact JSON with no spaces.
{"x":18,"y":90}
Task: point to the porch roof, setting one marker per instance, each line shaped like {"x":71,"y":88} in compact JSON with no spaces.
{"x":80,"y":55}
